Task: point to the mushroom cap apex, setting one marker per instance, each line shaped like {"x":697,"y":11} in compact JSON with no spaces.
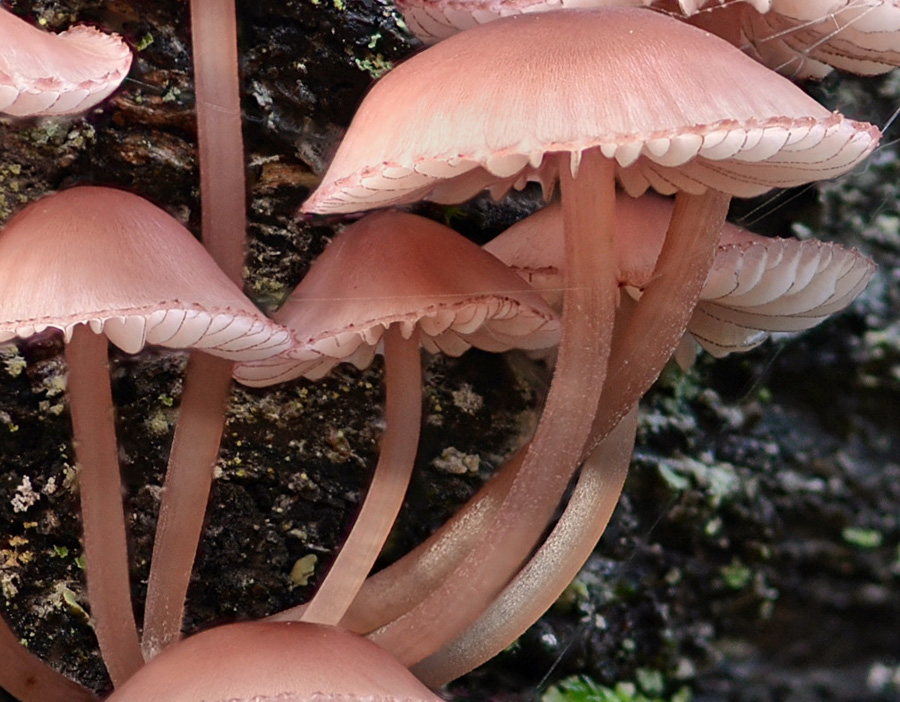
{"x":274,"y":662}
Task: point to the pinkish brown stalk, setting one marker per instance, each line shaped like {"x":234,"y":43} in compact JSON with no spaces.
{"x":223,"y":226}
{"x":552,"y":568}
{"x":195,"y":449}
{"x":403,"y":412}
{"x":555,"y":451}
{"x":105,"y":542}
{"x":29,"y":679}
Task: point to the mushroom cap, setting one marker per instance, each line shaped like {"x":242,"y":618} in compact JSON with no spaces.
{"x":112,"y":260}
{"x":433,"y":20}
{"x":757,"y":284}
{"x":274,"y":661}
{"x":806,"y":38}
{"x":397,"y":268}
{"x":534,"y":248}
{"x":760,"y":285}
{"x":57,"y":74}
{"x":677,"y":108}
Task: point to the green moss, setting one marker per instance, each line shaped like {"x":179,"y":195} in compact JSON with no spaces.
{"x":736,"y":575}
{"x":862,"y":538}
{"x":649,"y":688}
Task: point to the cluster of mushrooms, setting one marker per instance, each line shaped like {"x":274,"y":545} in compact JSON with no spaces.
{"x":609,"y":279}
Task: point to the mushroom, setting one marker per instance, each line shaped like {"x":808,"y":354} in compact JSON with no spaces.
{"x":399,"y":280}
{"x":757,"y":285}
{"x":608,"y":102}
{"x":801,"y":38}
{"x":57,"y":74}
{"x":94,"y":263}
{"x":273,"y":661}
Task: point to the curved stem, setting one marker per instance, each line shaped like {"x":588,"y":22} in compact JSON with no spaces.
{"x":29,"y":679}
{"x":661,"y":317}
{"x":221,"y":145}
{"x":402,"y":585}
{"x":637,"y":358}
{"x":192,"y":460}
{"x":105,"y":543}
{"x":553,"y":567}
{"x":403,"y":415}
{"x":555,"y":452}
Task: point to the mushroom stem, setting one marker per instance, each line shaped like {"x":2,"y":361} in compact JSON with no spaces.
{"x":105,"y":543}
{"x":660,"y":319}
{"x":553,"y":567}
{"x":207,"y":380}
{"x":221,"y":144}
{"x":556,"y":449}
{"x":189,"y":475}
{"x":398,"y":588}
{"x":403,"y":413}
{"x":27,"y":678}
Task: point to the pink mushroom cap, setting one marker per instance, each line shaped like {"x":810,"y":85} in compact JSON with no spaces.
{"x":757,"y":284}
{"x":675,"y":107}
{"x":57,"y":74}
{"x":274,"y":662}
{"x":397,"y":268}
{"x":118,"y":263}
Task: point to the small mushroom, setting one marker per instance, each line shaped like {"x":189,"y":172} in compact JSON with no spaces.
{"x":273,"y":662}
{"x":399,"y":280}
{"x":757,"y":285}
{"x":57,"y":74}
{"x":94,"y":263}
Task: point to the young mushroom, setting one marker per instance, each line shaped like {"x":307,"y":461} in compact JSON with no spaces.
{"x":101,"y":264}
{"x":757,"y":285}
{"x":402,"y":281}
{"x":618,"y":99}
{"x":57,"y":74}
{"x":274,"y":662}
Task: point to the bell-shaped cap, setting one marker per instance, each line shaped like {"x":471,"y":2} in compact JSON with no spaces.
{"x":800,"y":38}
{"x":674,"y":106}
{"x":112,"y":260}
{"x":397,"y":268}
{"x":806,"y":38}
{"x":760,"y":285}
{"x":757,"y":285}
{"x":273,"y":662}
{"x":57,"y":74}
